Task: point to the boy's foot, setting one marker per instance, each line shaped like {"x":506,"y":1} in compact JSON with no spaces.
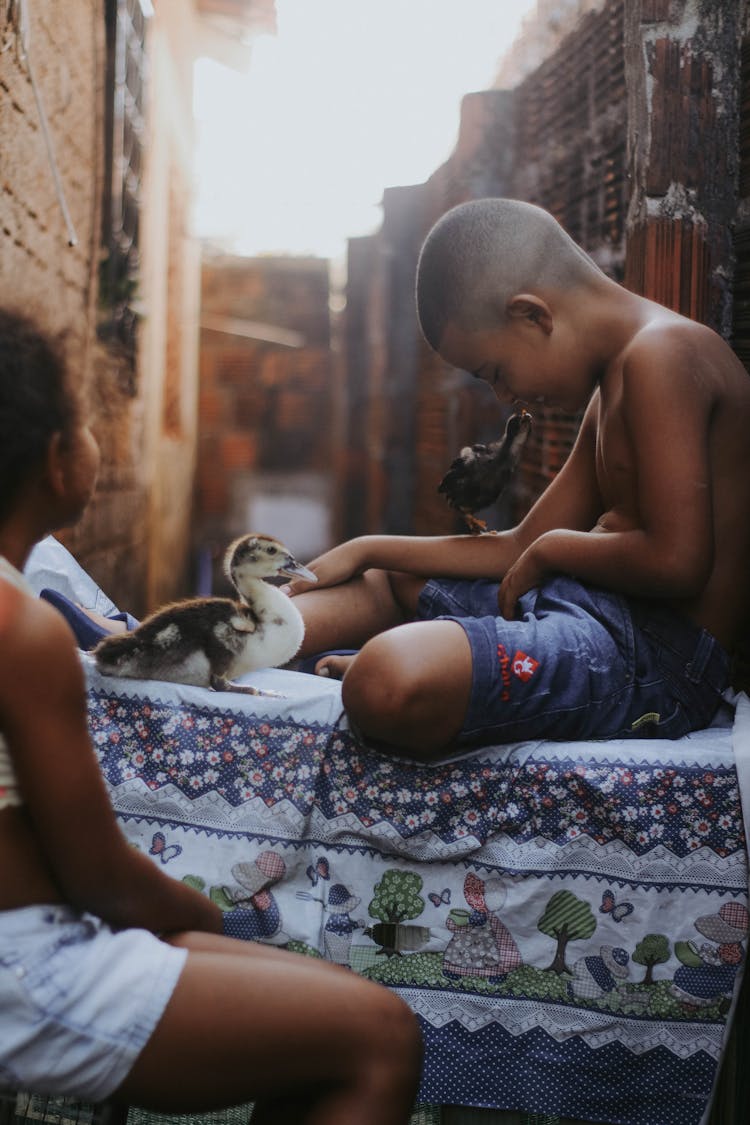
{"x":333,"y":666}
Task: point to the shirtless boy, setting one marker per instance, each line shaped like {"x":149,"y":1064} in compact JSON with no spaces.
{"x":610,"y":609}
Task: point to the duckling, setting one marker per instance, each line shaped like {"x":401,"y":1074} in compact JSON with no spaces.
{"x":480,"y":473}
{"x":210,"y":641}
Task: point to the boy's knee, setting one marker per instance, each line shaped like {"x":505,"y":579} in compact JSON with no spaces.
{"x":410,"y":687}
{"x":378,"y":691}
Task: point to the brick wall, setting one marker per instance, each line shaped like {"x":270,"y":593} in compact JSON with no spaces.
{"x":684,"y":82}
{"x":134,"y":539}
{"x":571,"y":159}
{"x":40,"y":273}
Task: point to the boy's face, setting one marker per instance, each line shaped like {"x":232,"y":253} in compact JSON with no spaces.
{"x":520,"y":361}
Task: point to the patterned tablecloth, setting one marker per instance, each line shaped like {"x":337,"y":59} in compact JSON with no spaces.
{"x":568,"y":920}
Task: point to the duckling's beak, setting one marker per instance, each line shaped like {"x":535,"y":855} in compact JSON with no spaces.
{"x":297,"y":570}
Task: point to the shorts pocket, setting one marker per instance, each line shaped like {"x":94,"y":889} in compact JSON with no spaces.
{"x":671,"y":721}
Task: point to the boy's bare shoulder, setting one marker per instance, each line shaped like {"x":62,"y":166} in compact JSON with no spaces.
{"x":671,"y":336}
{"x":686,"y":354}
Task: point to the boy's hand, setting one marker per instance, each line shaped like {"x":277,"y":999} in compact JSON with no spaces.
{"x":525,"y":573}
{"x":334,"y":567}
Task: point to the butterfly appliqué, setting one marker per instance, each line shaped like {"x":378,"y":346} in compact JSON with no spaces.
{"x":319,"y":870}
{"x":165,"y":851}
{"x":617,"y":910}
{"x":436,"y":899}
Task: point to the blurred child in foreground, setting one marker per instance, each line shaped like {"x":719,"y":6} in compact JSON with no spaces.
{"x":115,"y":979}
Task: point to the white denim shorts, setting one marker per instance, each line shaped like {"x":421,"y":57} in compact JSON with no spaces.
{"x":78,"y":1001}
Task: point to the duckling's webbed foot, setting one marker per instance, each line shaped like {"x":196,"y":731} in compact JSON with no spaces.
{"x":220,"y":683}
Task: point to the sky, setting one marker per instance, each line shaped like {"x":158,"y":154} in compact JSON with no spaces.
{"x":350,"y":97}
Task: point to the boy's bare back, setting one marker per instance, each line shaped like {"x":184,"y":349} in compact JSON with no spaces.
{"x":676,"y":403}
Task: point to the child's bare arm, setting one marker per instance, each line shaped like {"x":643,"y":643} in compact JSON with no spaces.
{"x":655,"y":539}
{"x":43,"y":712}
{"x":444,"y":556}
{"x":571,"y":501}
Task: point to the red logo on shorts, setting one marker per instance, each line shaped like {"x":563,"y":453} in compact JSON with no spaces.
{"x":524,"y":666}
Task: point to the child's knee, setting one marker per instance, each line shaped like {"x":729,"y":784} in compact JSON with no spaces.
{"x":399,"y":1031}
{"x":410,"y":687}
{"x":378,"y":689}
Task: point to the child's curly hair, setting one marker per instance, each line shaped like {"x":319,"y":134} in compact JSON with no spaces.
{"x":36,"y":400}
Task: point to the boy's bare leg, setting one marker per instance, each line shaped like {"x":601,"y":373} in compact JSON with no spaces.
{"x":346,"y":616}
{"x":247,"y":1022}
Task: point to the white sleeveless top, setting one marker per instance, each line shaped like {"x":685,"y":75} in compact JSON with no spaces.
{"x":9,"y":794}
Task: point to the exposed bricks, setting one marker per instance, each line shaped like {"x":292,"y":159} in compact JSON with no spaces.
{"x":668,"y":261}
{"x":656,"y":11}
{"x":132,"y":526}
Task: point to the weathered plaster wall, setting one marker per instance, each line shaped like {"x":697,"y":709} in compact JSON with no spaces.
{"x":683,"y":68}
{"x":169,"y":333}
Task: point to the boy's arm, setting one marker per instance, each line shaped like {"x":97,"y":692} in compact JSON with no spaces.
{"x":572,"y":500}
{"x":43,"y":718}
{"x":664,"y":547}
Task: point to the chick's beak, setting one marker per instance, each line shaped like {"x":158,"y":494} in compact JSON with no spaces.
{"x":296,"y":570}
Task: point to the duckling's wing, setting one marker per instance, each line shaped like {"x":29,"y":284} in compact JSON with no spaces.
{"x":177,"y":643}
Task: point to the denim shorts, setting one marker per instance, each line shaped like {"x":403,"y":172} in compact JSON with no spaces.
{"x":579,"y":663}
{"x":78,"y":1001}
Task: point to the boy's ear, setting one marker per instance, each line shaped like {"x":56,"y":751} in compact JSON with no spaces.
{"x":527,"y":306}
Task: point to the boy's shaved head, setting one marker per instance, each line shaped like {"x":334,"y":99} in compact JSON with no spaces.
{"x":480,"y":254}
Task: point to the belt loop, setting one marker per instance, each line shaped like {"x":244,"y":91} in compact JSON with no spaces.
{"x":695,"y":668}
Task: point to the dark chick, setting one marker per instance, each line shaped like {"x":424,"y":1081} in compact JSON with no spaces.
{"x":480,"y":473}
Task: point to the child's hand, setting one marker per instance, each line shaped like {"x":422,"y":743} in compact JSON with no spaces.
{"x":334,"y":567}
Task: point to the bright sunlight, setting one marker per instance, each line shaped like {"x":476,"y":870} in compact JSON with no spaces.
{"x":351,"y":97}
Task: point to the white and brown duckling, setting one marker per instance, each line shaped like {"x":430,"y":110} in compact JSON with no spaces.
{"x":480,"y":473}
{"x":210,"y":641}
